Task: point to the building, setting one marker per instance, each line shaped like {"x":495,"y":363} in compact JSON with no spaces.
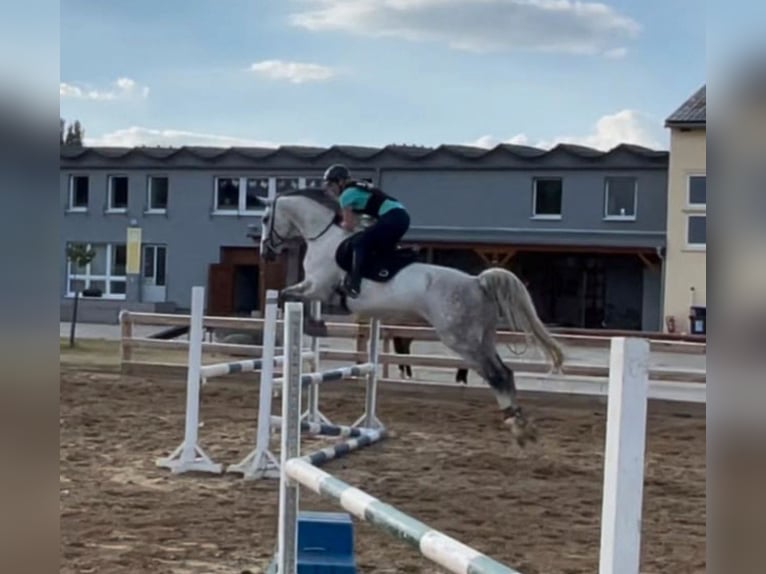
{"x":584,"y":228}
{"x":686,"y":257}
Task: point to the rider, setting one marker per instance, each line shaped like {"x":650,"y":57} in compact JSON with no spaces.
{"x":391,"y":220}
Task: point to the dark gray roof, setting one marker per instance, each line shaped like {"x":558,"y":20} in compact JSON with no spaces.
{"x":692,"y":112}
{"x":359,"y":153}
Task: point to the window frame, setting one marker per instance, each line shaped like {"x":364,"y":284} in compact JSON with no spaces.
{"x":547,"y":216}
{"x":109,"y":190}
{"x":156,"y":210}
{"x":692,"y":210}
{"x":606,"y":215}
{"x":155,"y":248}
{"x":70,"y":194}
{"x":107,"y":278}
{"x":695,"y":246}
{"x":688,"y":203}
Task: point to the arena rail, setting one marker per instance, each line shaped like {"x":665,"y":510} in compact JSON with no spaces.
{"x":359,"y":332}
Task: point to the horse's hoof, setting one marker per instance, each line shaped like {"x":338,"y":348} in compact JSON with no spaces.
{"x":315,"y":328}
{"x":523,"y":431}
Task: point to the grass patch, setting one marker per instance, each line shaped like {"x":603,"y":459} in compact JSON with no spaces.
{"x":90,"y":353}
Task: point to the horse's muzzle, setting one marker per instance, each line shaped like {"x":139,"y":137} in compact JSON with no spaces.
{"x":269,"y":255}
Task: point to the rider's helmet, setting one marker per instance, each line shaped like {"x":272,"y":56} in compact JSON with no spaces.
{"x":336,"y":173}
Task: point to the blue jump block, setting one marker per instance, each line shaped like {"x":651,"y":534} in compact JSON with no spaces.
{"x":325,"y":543}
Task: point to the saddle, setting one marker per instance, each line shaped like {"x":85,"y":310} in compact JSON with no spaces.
{"x":377,"y":267}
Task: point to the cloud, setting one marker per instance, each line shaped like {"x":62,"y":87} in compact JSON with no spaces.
{"x":122,"y":89}
{"x":142,"y":136}
{"x":625,"y":126}
{"x":294,"y":72}
{"x":562,"y":26}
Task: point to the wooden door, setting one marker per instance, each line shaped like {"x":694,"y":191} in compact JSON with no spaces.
{"x":220,"y":280}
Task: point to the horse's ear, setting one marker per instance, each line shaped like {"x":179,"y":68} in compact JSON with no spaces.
{"x":265,"y":202}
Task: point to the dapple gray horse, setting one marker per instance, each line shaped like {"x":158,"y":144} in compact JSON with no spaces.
{"x":463,"y":309}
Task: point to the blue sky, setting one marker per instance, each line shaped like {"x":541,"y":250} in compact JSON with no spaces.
{"x":374,"y":72}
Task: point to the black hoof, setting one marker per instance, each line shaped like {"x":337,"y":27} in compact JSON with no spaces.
{"x":314,"y":328}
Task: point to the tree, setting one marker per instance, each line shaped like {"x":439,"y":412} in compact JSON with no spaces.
{"x":75,"y":134}
{"x":79,"y":255}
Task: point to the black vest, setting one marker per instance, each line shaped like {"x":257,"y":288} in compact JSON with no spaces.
{"x":376,"y":197}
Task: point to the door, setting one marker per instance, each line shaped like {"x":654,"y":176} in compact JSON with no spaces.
{"x":153,"y":288}
{"x":246,"y":291}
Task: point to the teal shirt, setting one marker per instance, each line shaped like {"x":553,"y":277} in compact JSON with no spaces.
{"x":356,"y":199}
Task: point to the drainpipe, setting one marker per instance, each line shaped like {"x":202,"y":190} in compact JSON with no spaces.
{"x":661,"y":254}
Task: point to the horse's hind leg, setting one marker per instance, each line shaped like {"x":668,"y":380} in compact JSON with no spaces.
{"x":501,"y":379}
{"x":479,"y":352}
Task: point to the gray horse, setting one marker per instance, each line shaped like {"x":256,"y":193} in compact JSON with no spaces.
{"x":463,"y":309}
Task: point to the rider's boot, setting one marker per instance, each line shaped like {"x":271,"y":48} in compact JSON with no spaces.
{"x":353,"y":281}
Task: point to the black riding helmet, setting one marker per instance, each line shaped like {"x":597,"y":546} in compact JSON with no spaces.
{"x":336,"y":173}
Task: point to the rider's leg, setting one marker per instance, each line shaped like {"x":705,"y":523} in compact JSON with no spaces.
{"x":382,"y":237}
{"x":354,"y":278}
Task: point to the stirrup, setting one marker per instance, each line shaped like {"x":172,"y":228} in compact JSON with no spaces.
{"x":349,"y":289}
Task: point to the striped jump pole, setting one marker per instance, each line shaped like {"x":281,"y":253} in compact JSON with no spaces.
{"x":311,"y":380}
{"x":441,"y":549}
{"x":296,"y":470}
{"x":246,"y":366}
{"x":323,"y":429}
{"x":341,"y":449}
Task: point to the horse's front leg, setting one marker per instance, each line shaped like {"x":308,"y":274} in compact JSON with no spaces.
{"x":306,"y":291}
{"x":298,"y":291}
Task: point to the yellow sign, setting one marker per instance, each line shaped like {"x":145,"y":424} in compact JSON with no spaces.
{"x":134,"y":251}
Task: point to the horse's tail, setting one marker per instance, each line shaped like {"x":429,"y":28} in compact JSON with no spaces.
{"x":513,"y":302}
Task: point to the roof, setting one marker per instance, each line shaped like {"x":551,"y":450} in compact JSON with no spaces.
{"x":692,"y":113}
{"x":360,"y":153}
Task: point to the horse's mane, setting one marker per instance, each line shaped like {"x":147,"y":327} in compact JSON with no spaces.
{"x":316,"y":194}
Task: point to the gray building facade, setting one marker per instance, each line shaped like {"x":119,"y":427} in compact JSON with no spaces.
{"x":584,"y":228}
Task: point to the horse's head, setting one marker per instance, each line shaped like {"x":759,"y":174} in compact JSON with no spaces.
{"x":292,"y":216}
{"x":277,"y":230}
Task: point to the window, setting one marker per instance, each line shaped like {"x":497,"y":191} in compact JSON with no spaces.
{"x":78,"y":192}
{"x":118,"y":193}
{"x":287,"y":183}
{"x":240,"y":195}
{"x":695,"y":211}
{"x":257,"y":188}
{"x":547,"y":196}
{"x":234,"y":195}
{"x":621,"y":198}
{"x":154,"y":264}
{"x":158,"y":189}
{"x":105,"y":272}
{"x":315,"y":182}
{"x":227,"y":194}
{"x":697,"y":192}
{"x":696,"y":231}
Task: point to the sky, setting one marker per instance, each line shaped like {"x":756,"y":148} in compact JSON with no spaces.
{"x":378,"y":72}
